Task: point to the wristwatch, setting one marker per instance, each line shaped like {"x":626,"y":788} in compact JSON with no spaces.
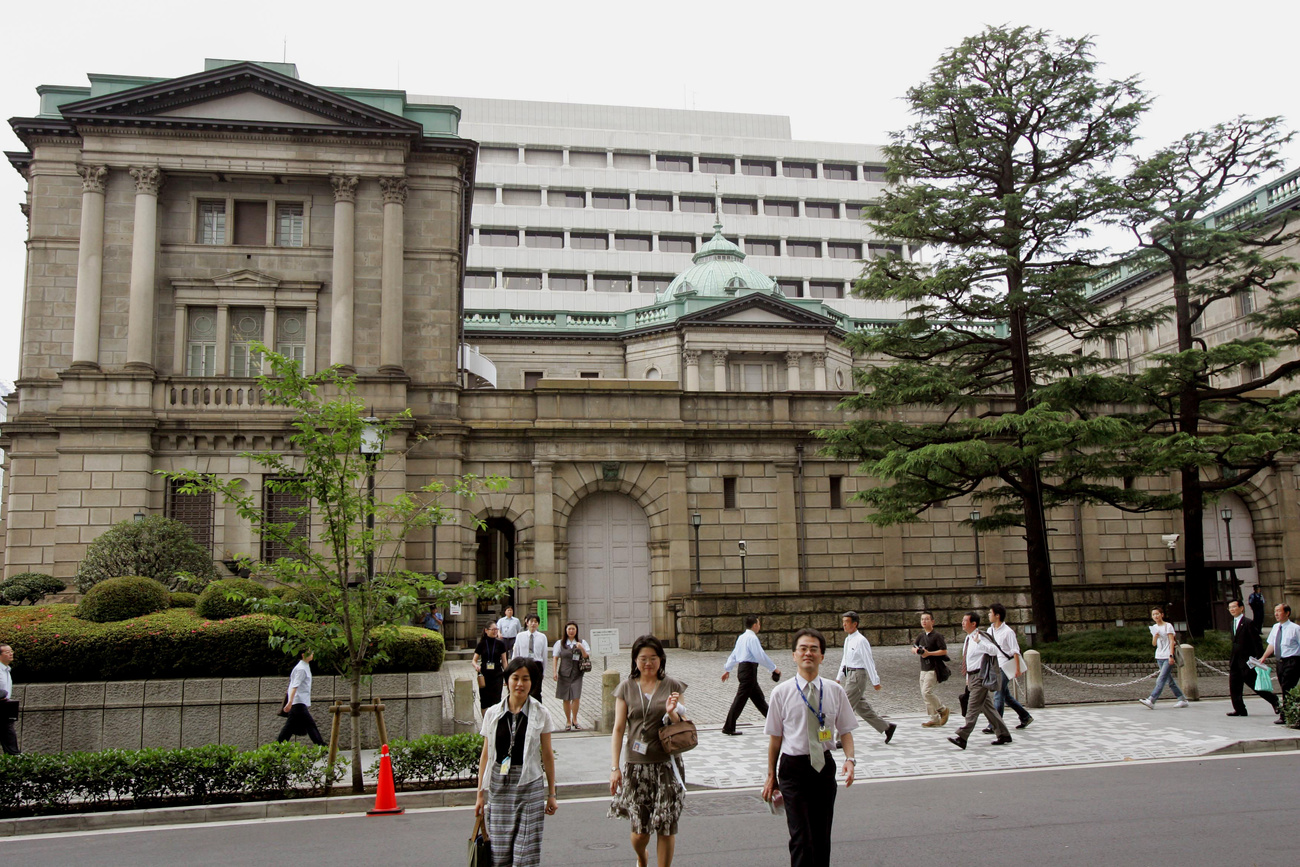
{"x":850,"y":761}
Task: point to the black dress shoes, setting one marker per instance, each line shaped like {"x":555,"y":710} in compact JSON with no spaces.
{"x":1234,"y":713}
{"x":1005,"y":739}
{"x":988,"y":730}
{"x":1026,"y":723}
{"x":958,"y":742}
{"x":889,"y":732}
{"x":733,"y":734}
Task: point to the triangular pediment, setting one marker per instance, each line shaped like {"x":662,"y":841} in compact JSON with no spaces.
{"x":245,"y":279}
{"x":758,"y":309}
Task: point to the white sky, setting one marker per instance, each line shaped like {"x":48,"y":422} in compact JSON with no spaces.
{"x":838,"y":69}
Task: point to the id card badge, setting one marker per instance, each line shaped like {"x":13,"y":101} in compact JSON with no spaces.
{"x":639,"y":747}
{"x":505,"y":766}
{"x":489,"y":665}
{"x":823,"y":734}
{"x":576,"y":656}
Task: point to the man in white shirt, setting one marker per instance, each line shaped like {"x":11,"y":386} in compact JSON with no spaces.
{"x":509,"y":628}
{"x":977,"y":646}
{"x":856,"y":666}
{"x":298,"y":703}
{"x":532,"y":645}
{"x":747,"y":656}
{"x":8,"y":737}
{"x":1284,"y":642}
{"x":806,"y":715}
{"x":1009,"y":661}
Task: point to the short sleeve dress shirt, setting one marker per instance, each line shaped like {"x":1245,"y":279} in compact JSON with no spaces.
{"x":788,"y":716}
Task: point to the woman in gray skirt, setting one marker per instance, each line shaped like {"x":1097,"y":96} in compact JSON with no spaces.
{"x":650,"y":790}
{"x":516,"y":752}
{"x":566,"y":671}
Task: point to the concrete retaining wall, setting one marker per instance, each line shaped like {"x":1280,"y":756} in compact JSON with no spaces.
{"x":137,"y":714}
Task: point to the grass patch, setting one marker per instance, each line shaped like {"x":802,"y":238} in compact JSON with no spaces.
{"x":1127,"y":644}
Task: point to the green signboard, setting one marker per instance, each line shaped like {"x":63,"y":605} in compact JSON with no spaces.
{"x":541,"y":616}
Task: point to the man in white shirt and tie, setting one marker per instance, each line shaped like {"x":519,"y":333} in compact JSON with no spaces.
{"x":1284,"y":642}
{"x":8,"y":737}
{"x":977,"y":646}
{"x":747,"y":656}
{"x":856,"y":666}
{"x":807,"y":713}
{"x":532,"y":645}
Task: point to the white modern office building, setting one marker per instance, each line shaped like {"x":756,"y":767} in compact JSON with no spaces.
{"x":594,"y":207}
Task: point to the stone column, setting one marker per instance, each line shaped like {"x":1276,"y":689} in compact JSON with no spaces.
{"x":1288,"y":502}
{"x":819,"y":371}
{"x":178,"y":345}
{"x":144,"y":253}
{"x":345,"y":198}
{"x":692,"y":358}
{"x":223,"y":340}
{"x":719,"y":370}
{"x":544,"y":522}
{"x":679,"y":532}
{"x":787,"y":540}
{"x":90,"y":268}
{"x":268,"y":329}
{"x":391,"y":277}
{"x":792,"y":382}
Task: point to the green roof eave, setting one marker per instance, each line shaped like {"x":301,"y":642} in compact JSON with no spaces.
{"x":442,"y":121}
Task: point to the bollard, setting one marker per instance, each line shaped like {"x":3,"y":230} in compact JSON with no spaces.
{"x":1187,"y":676}
{"x":609,"y":681}
{"x":1034,"y":679}
{"x":462,"y":705}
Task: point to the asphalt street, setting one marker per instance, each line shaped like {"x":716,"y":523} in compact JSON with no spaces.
{"x":1235,"y":810}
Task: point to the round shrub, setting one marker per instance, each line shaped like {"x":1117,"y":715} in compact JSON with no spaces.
{"x":157,"y":548}
{"x":214,"y":605}
{"x":29,"y":587}
{"x":184,"y":600}
{"x":122,"y":599}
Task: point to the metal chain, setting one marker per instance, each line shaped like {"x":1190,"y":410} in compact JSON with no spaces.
{"x":1212,"y":668}
{"x":1047,"y":667}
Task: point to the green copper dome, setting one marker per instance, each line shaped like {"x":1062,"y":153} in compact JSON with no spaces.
{"x":719,"y":269}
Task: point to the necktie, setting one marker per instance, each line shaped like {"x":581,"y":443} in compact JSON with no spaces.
{"x":532,"y":643}
{"x":816,"y":752}
{"x":963,"y":654}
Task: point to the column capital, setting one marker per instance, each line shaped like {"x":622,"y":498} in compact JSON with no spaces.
{"x":819,"y":359}
{"x":148,"y":179}
{"x":692,"y":356}
{"x":345,"y":187}
{"x":719,"y":356}
{"x":394,"y":190}
{"x":792,"y":359}
{"x":93,"y":178}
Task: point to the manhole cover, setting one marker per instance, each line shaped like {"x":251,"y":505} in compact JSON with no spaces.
{"x":600,"y":847}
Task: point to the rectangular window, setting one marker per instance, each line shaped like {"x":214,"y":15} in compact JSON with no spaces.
{"x":291,"y":335}
{"x":758,"y":168}
{"x":502,"y":156}
{"x":498,"y":238}
{"x":1245,"y":303}
{"x":855,"y":210}
{"x":695,"y":204}
{"x":837,"y":492}
{"x":839,"y":250}
{"x":744,"y":207}
{"x":632,"y":162}
{"x":521,"y":198}
{"x":566,"y":198}
{"x":1112,"y":347}
{"x":589,"y":374}
{"x":250,"y":224}
{"x":804,"y":249}
{"x":825,"y":289}
{"x":195,"y":511}
{"x":632,"y":243}
{"x":485,"y":195}
{"x":543,"y":157}
{"x":718,"y":165}
{"x":878,"y":250}
{"x":588,"y":159}
{"x":610,"y":201}
{"x":480,"y":280}
{"x":762,"y":247}
{"x":588,"y":241}
{"x":822,"y":210}
{"x":728,"y":492}
{"x":652,"y":284}
{"x":287,"y":516}
{"x":544,"y":240}
{"x":568,"y":282}
{"x":529,"y":282}
{"x":752,"y":376}
{"x":666,"y":163}
{"x":1251,"y":372}
{"x":875,"y":174}
{"x":613,"y":283}
{"x":647,"y":202}
{"x":839,"y":173}
{"x":201,"y":341}
{"x":799,"y":170}
{"x":676,"y":244}
{"x":245,"y":330}
{"x":288,"y":225}
{"x":532,"y":377}
{"x":791,"y":288}
{"x":212,"y":222}
{"x":779,"y":208}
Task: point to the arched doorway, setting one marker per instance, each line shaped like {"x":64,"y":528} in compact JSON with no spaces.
{"x":495,"y":561}
{"x":1241,"y":546}
{"x":609,"y":566}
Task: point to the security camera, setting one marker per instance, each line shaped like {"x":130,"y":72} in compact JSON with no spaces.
{"x":1170,"y":539}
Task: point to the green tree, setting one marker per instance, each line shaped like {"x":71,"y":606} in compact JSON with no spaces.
{"x":156,"y":547}
{"x":333,"y":601}
{"x":1217,"y":416}
{"x":1001,"y":173}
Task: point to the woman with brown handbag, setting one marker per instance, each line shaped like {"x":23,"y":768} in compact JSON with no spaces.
{"x":649,"y":790}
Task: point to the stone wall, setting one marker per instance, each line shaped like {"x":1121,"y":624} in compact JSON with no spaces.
{"x":138,"y":714}
{"x":709,"y":621}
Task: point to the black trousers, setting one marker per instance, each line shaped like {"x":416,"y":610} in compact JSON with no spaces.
{"x":747,"y":690}
{"x":1237,"y":679}
{"x":809,"y":808}
{"x":9,"y":737}
{"x":490,"y":692}
{"x":300,"y":722}
{"x":1288,"y":675}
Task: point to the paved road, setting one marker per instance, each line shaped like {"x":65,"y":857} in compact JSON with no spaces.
{"x":1212,"y":811}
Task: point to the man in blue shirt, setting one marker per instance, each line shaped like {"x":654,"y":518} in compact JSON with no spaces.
{"x":1284,"y":642}
{"x":746,"y":658}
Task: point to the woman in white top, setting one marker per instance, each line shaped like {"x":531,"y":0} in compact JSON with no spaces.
{"x":1162,"y":638}
{"x":566,"y":671}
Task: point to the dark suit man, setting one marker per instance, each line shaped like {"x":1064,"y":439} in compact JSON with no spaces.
{"x":1245,"y":644}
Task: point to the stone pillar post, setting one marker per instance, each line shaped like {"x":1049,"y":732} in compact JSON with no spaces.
{"x":345,"y":198}
{"x":819,"y":371}
{"x":1288,"y":502}
{"x":391,"y":315}
{"x":787,"y":541}
{"x":1034,"y":679}
{"x":679,"y":535}
{"x":178,"y":345}
{"x":1187,"y":673}
{"x":544,"y":522}
{"x":692,"y":358}
{"x":223,"y":340}
{"x":719,"y":370}
{"x":144,"y":253}
{"x":792,"y":382}
{"x":268,"y":328}
{"x":90,"y":268}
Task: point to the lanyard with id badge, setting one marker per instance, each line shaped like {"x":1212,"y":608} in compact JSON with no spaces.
{"x":513,"y":723}
{"x":638,"y":746}
{"x":823,"y":733}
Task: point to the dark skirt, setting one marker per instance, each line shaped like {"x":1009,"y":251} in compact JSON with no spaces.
{"x":568,"y":685}
{"x":650,"y":797}
{"x":514,"y":819}
{"x":490,"y":692}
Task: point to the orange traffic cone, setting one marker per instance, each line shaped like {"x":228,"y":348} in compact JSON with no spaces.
{"x":385,"y":794}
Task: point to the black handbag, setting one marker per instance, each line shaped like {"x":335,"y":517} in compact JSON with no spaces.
{"x":941,"y":670}
{"x":8,"y":710}
{"x":282,"y":711}
{"x":964,"y":700}
{"x":480,"y":850}
{"x":584,"y":664}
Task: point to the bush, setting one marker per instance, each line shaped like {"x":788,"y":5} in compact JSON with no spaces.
{"x":216,"y":603}
{"x":55,"y":646}
{"x":29,"y":587}
{"x":157,"y":548}
{"x":434,"y":759}
{"x":1126,"y":644}
{"x":122,"y":599}
{"x":41,"y":783}
{"x":181,"y":599}
{"x":1291,"y":707}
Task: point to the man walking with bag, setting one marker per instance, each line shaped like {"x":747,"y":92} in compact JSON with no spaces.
{"x":979,"y":662}
{"x":1009,"y":661}
{"x":747,"y":656}
{"x":933,"y":650}
{"x":1284,"y":641}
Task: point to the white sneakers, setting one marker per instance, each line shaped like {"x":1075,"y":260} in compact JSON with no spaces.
{"x":1147,"y":703}
{"x":1182,"y":702}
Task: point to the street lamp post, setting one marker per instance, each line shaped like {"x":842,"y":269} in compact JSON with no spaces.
{"x":696,"y":520}
{"x":1171,"y":540}
{"x":979,"y":573}
{"x":1226,"y":514}
{"x":372,"y":446}
{"x":743,"y":552}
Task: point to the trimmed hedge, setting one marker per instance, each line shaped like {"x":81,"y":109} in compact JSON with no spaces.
{"x":34,"y":783}
{"x":184,"y":600}
{"x":29,"y":587}
{"x":433,"y":761}
{"x":157,"y":547}
{"x":122,"y":599}
{"x":52,"y":645}
{"x":214,"y":605}
{"x":1125,"y":644}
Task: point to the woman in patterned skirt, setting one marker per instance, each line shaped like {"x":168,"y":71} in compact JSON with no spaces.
{"x":566,"y":671}
{"x":516,"y":752}
{"x":650,"y":790}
